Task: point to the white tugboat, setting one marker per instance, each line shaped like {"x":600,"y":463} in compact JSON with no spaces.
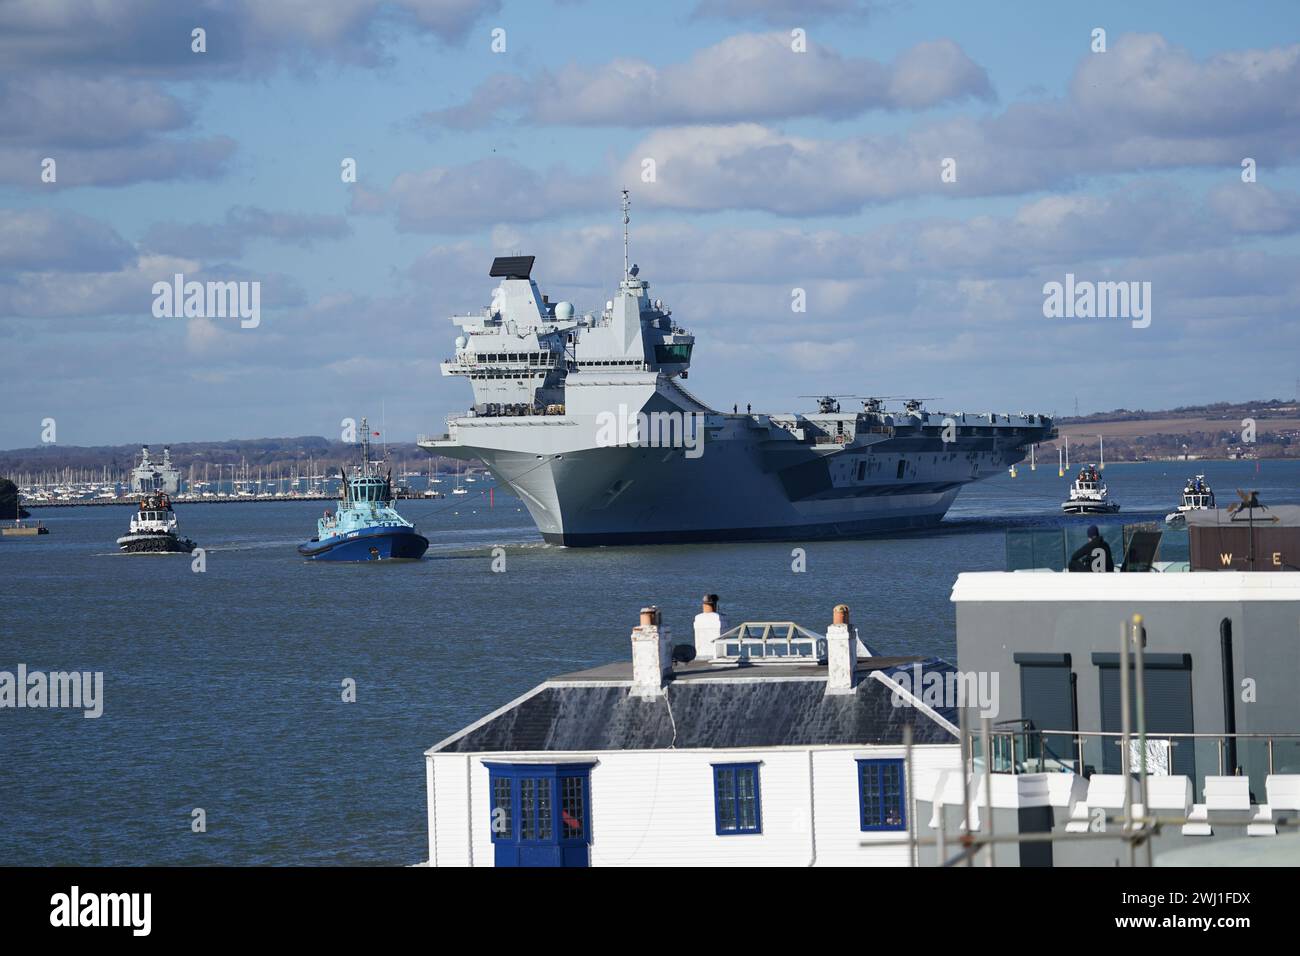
{"x":1088,"y":495}
{"x":154,"y":529}
{"x":1197,"y":496}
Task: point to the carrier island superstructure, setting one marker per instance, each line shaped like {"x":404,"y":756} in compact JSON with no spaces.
{"x":557,"y":397}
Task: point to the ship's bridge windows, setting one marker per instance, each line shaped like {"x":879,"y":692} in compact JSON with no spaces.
{"x":673,"y":354}
{"x":368,"y":489}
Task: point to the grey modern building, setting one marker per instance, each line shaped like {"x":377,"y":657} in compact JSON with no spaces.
{"x":1217,"y":688}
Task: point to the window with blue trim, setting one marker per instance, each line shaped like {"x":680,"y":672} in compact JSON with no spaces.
{"x":882,"y":795}
{"x":737,"y":806}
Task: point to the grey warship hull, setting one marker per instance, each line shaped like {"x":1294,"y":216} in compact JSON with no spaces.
{"x":753,"y":477}
{"x":569,"y":500}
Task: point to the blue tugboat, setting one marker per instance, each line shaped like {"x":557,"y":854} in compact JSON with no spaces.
{"x":365,"y":526}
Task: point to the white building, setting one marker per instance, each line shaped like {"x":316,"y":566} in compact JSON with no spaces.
{"x":775,"y":745}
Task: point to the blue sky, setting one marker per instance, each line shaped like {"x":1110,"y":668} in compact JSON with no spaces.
{"x":775,"y":170}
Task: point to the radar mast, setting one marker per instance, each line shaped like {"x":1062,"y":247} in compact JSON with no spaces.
{"x":627,"y":204}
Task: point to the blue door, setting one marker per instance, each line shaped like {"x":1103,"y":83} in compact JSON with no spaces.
{"x":540,"y":814}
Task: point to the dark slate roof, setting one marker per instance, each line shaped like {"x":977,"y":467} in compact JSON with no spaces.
{"x":713,"y":708}
{"x":905,"y":673}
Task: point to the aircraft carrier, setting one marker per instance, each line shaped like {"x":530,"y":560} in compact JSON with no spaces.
{"x":585,"y":418}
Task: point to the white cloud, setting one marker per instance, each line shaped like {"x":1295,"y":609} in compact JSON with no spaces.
{"x":153,"y":36}
{"x":55,"y":240}
{"x":243,"y":224}
{"x":752,"y":76}
{"x":55,"y":109}
{"x":154,"y":161}
{"x":488,"y":191}
{"x":792,"y":12}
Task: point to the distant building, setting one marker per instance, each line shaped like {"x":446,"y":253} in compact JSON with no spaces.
{"x":775,"y":745}
{"x":149,"y":477}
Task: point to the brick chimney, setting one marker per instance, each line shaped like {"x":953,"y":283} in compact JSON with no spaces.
{"x":709,"y":625}
{"x":841,"y":653}
{"x":652,"y":655}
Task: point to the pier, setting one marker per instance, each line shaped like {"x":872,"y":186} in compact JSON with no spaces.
{"x":20,"y":530}
{"x":211,"y":500}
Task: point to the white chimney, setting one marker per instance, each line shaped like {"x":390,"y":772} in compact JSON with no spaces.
{"x":652,"y":655}
{"x":841,"y":653}
{"x":709,"y":625}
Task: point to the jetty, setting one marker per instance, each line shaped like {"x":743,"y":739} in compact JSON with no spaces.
{"x":19,"y":529}
{"x":176,"y":499}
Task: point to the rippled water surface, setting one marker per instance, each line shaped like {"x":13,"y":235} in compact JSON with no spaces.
{"x":223,"y":689}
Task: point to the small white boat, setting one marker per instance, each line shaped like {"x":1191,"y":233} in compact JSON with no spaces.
{"x":1088,"y":495}
{"x":1197,"y":496}
{"x":154,"y":530}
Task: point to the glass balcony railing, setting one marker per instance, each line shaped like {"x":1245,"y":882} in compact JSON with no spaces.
{"x":1193,"y":755}
{"x":1133,"y":547}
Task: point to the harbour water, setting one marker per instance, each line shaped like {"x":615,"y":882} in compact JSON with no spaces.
{"x":223,"y":689}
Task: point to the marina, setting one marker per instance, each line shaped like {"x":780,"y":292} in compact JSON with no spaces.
{"x":182,"y":498}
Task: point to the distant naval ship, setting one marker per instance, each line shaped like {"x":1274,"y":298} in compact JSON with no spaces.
{"x":151,"y":477}
{"x":586,"y":419}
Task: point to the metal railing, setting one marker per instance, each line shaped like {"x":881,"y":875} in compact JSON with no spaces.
{"x":1031,"y":750}
{"x":1067,"y":751}
{"x":771,"y":642}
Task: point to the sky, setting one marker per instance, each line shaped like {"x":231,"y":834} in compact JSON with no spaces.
{"x":769,"y":146}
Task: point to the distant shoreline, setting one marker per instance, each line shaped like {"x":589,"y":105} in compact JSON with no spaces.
{"x":1186,"y":461}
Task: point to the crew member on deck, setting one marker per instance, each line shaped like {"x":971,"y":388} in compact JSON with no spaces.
{"x":1085,"y":559}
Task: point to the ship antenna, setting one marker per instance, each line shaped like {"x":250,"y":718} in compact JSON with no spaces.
{"x":365,"y":447}
{"x":627,"y":204}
